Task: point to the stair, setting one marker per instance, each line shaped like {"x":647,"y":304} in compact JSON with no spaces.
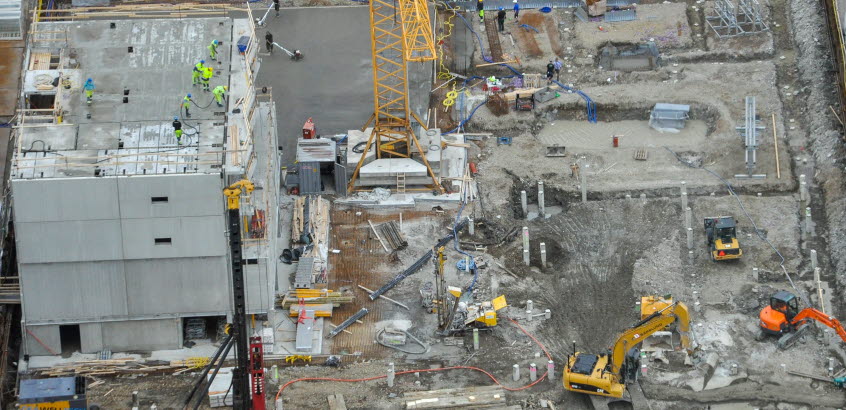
{"x":401,"y":183}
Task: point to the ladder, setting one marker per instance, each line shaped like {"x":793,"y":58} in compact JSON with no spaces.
{"x":401,"y":183}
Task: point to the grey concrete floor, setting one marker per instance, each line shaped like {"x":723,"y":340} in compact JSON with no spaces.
{"x":334,"y":81}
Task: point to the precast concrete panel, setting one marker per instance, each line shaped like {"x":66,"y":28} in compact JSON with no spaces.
{"x":141,"y":335}
{"x":256,"y":288}
{"x":73,"y":291}
{"x":65,"y":199}
{"x":69,"y":241}
{"x":90,"y":337}
{"x":162,"y":196}
{"x":181,"y":237}
{"x":39,"y":339}
{"x":183,"y":285}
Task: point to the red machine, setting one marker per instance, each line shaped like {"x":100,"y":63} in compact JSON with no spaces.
{"x":309,"y":131}
{"x":257,"y":391}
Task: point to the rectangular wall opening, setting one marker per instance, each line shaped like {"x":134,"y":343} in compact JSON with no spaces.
{"x":159,"y":199}
{"x":41,"y":101}
{"x":70,"y":339}
{"x":162,"y":241}
{"x":203,"y":330}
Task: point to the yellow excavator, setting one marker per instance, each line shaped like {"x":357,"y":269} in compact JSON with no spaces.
{"x":607,"y":374}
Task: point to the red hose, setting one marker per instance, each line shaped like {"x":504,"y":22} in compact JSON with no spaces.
{"x":331,"y":379}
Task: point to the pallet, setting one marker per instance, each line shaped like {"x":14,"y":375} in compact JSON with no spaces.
{"x":641,"y":154}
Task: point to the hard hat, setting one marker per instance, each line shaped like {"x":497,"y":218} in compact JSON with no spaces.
{"x":501,"y":8}
{"x":515,"y":1}
{"x":226,"y":87}
{"x":215,"y":42}
{"x":189,"y":95}
{"x":176,"y":118}
{"x":89,"y":80}
{"x":204,"y":61}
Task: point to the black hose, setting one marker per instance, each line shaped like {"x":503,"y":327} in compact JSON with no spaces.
{"x":206,"y":370}
{"x":359,"y":148}
{"x":216,"y":369}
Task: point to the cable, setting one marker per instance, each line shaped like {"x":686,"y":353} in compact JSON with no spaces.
{"x":485,"y":372}
{"x":746,"y":213}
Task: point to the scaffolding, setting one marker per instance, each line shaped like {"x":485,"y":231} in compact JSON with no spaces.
{"x":731,"y":20}
{"x":749,"y":132}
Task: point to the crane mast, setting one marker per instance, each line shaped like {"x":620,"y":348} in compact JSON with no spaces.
{"x":400,"y":32}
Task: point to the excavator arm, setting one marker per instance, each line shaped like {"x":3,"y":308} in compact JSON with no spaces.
{"x":655,"y":322}
{"x":814,"y":314}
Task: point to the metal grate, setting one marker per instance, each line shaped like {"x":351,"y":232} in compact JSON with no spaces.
{"x":620,"y":15}
{"x":493,"y":39}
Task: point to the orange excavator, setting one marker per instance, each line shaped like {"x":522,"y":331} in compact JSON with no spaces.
{"x":783,"y":318}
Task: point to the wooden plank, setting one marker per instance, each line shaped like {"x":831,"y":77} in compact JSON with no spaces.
{"x":458,"y":401}
{"x":413,"y":395}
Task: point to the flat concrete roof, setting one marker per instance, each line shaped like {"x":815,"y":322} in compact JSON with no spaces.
{"x":142,"y":71}
{"x":333,"y":83}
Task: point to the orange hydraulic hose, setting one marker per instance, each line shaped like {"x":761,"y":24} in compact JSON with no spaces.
{"x":332,"y":379}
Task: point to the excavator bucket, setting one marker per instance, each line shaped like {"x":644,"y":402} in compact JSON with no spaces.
{"x":499,"y":302}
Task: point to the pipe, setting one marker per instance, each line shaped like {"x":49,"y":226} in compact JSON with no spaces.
{"x":206,"y":370}
{"x":216,"y":369}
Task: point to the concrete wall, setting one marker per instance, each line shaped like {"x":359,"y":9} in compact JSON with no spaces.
{"x":142,"y":335}
{"x":88,"y":252}
{"x":116,"y":336}
{"x":48,"y":335}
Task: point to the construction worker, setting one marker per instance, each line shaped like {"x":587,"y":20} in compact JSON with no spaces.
{"x":198,"y":71}
{"x":213,"y":49}
{"x":89,"y":90}
{"x":219,"y":94}
{"x":480,"y":6}
{"x":500,"y":19}
{"x":558,"y":66}
{"x":574,"y":170}
{"x":177,"y":130}
{"x":550,"y":70}
{"x":207,"y":75}
{"x":186,"y":104}
{"x":268,"y":42}
{"x":516,"y":10}
{"x":276,"y":7}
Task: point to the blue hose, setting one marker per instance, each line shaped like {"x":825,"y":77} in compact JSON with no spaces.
{"x":482,"y":49}
{"x":528,"y":27}
{"x":591,"y":106}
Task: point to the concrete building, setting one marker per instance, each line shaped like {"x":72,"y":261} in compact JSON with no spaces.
{"x":120,"y":231}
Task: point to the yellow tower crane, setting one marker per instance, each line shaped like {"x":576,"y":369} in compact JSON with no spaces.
{"x":400,"y":32}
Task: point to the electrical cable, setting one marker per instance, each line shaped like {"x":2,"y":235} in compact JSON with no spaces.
{"x":746,"y":213}
{"x":485,"y":372}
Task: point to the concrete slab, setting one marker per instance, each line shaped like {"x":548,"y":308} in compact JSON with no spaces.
{"x":391,"y":167}
{"x":334,"y":85}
